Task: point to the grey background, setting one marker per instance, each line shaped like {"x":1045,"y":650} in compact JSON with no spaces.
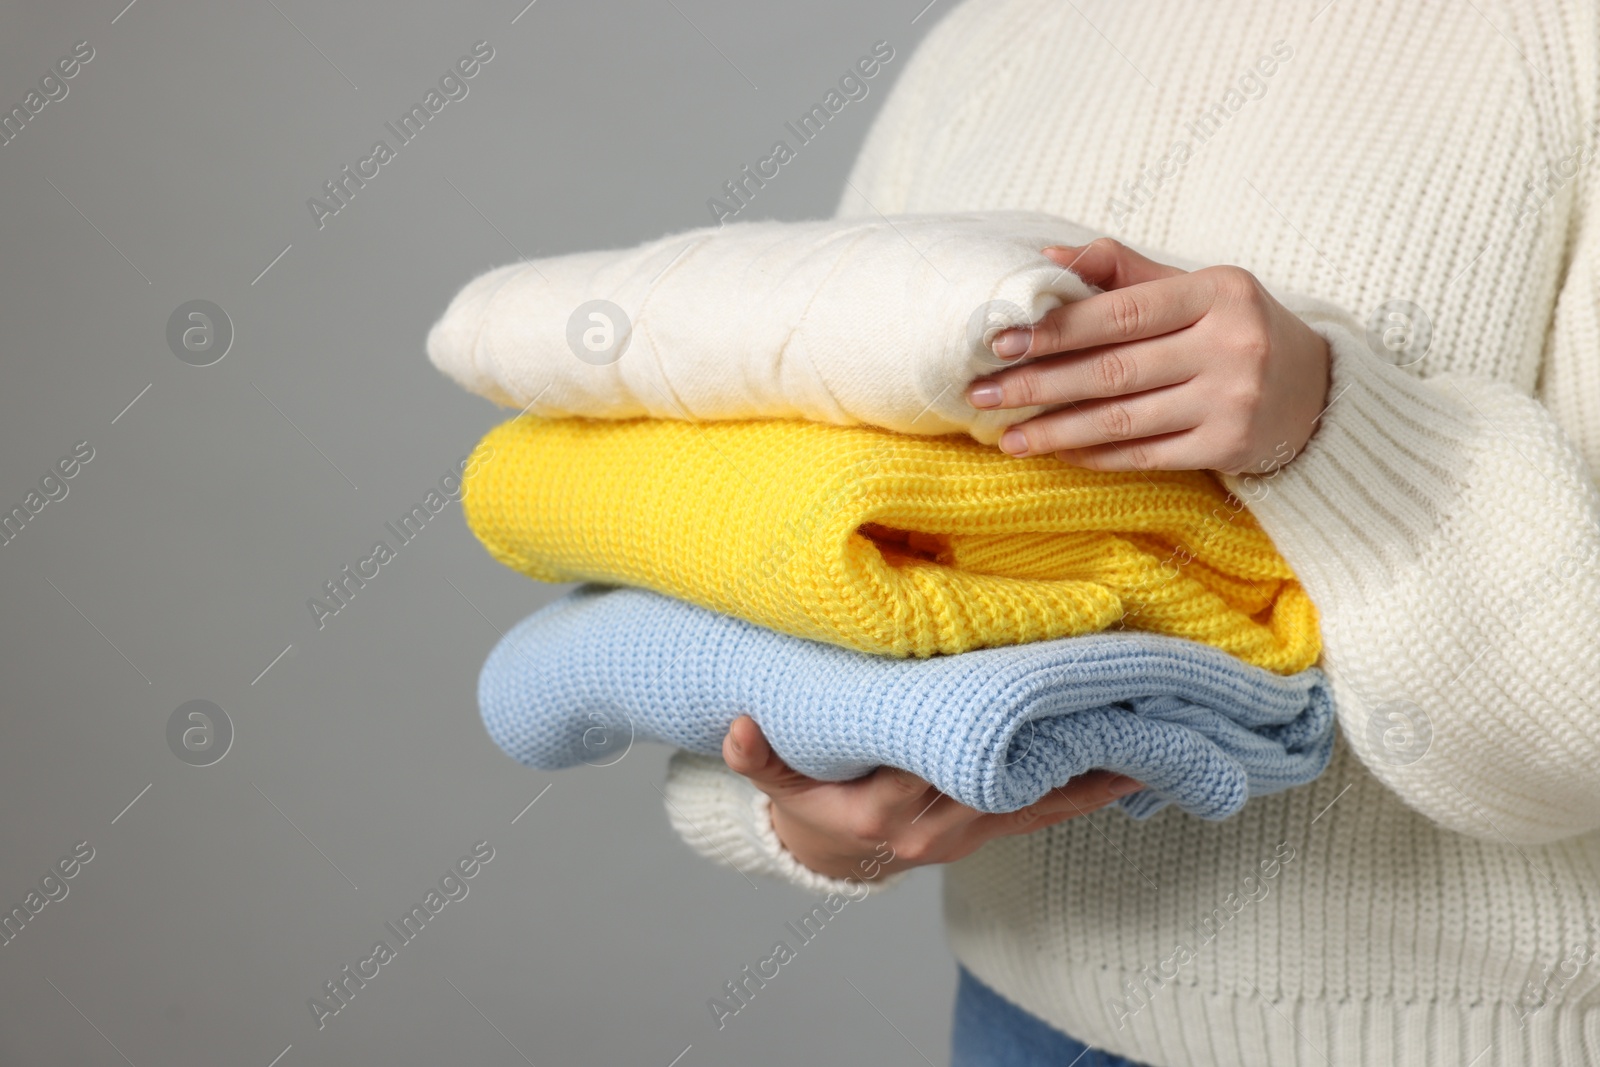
{"x":184,"y":553}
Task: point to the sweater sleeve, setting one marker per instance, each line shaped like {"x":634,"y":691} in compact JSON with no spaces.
{"x":725,"y":818}
{"x":1448,"y":531}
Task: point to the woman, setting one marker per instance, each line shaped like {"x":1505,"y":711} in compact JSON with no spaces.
{"x":1435,"y":897}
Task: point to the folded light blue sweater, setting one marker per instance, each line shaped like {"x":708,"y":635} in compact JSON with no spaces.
{"x":587,"y":676}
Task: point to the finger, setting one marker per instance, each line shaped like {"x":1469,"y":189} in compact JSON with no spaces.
{"x":1082,"y":795}
{"x":745,"y":750}
{"x":954,"y":829}
{"x":937,"y":832}
{"x":1109,"y":264}
{"x":1110,"y":420}
{"x":1170,"y":452}
{"x":1111,"y":370}
{"x":938,"y":816}
{"x":1146,"y":309}
{"x":899,"y":794}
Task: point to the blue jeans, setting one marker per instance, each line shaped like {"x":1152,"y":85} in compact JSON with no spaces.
{"x":990,"y":1031}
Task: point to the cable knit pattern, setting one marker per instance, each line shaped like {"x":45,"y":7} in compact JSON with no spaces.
{"x":601,"y":669}
{"x":1443,"y":906}
{"x":874,"y":321}
{"x":964,"y":547}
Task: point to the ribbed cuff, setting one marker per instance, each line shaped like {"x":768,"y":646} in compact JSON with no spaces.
{"x":725,"y":818}
{"x":1382,"y":467}
{"x":1416,"y":517}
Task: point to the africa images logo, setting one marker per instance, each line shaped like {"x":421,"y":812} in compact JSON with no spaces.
{"x":452,"y":86}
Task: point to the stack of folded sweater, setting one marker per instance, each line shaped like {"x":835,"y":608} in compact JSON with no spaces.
{"x":783,"y":507}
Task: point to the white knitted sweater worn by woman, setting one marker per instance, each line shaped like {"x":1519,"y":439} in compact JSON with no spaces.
{"x":1434,"y":899}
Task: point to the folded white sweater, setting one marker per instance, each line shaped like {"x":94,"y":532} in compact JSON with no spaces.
{"x":881,"y":321}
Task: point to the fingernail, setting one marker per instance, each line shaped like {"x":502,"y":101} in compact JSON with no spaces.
{"x":985,"y":395}
{"x":1009,"y":344}
{"x":738,"y":749}
{"x":1124,"y":786}
{"x":1065,"y":249}
{"x":1014,"y":441}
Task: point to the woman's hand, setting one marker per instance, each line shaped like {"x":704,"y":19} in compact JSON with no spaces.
{"x":838,"y":828}
{"x":1165,"y":370}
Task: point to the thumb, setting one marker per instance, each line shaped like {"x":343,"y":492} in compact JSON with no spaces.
{"x":745,"y":750}
{"x":1109,"y":264}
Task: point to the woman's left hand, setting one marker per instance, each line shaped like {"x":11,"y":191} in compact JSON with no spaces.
{"x":1165,"y":370}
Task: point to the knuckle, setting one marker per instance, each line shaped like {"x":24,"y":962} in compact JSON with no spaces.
{"x":1237,"y":284}
{"x":1249,"y":396}
{"x":1114,"y":422}
{"x":1125,"y":314}
{"x":1113,"y":373}
{"x":1252,"y":345}
{"x":916,"y":849}
{"x":1137,"y":455}
{"x":1024,"y":389}
{"x":1107,"y":246}
{"x":868,"y":823}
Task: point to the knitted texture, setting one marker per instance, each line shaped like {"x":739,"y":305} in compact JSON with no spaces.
{"x":1441,"y":909}
{"x":964,"y":547}
{"x":873,"y":321}
{"x":601,"y":669}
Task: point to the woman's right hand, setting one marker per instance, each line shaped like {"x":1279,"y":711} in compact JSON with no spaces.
{"x":839,"y":828}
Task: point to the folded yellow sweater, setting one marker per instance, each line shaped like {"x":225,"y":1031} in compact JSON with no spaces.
{"x":883,"y":542}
